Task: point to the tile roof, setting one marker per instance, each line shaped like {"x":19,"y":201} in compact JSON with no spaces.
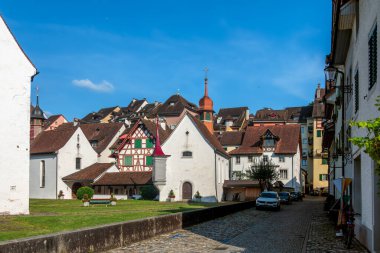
{"x":51,"y":120}
{"x":231,"y":138}
{"x":95,"y":117}
{"x":89,"y":173}
{"x":240,"y":183}
{"x":268,"y":114}
{"x":125,"y":178}
{"x":52,"y":141}
{"x":299,"y":114}
{"x":102,"y":133}
{"x":289,"y":139}
{"x":318,"y":106}
{"x":175,"y":105}
{"x":236,"y":114}
{"x":134,"y":105}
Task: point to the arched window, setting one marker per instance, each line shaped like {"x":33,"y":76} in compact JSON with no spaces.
{"x":187,"y":154}
{"x":42,"y":174}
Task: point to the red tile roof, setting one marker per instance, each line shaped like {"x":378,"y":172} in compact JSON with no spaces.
{"x":102,"y":133}
{"x":289,"y":139}
{"x":52,"y":141}
{"x":125,"y":178}
{"x":51,"y":120}
{"x":89,"y":173}
{"x":231,"y":138}
{"x":175,"y":105}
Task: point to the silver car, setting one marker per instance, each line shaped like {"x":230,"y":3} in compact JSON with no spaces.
{"x":268,"y":199}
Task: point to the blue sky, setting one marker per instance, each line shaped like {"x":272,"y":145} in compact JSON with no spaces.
{"x":94,"y":54}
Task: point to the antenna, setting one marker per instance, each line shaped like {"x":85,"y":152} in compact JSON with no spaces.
{"x":206,"y":71}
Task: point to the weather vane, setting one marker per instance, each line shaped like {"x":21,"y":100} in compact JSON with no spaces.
{"x":206,"y":71}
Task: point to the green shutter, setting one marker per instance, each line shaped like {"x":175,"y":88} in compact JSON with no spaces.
{"x":319,"y":133}
{"x":149,"y":143}
{"x":201,"y":116}
{"x":208,"y":116}
{"x":138,"y":143}
{"x":324,"y":161}
{"x":320,"y":177}
{"x":149,"y":160}
{"x":128,"y":160}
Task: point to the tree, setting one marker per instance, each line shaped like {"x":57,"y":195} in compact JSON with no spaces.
{"x":263,"y":171}
{"x":370,"y":142}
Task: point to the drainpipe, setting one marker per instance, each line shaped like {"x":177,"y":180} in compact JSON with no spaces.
{"x":216,"y":187}
{"x":56,"y":175}
{"x":293,"y":173}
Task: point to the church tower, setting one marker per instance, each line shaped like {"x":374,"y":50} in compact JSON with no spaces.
{"x":206,"y":108}
{"x":37,"y":120}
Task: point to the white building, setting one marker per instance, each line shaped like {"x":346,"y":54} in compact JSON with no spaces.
{"x":280,"y":144}
{"x":355,"y":53}
{"x":55,"y":154}
{"x":196,"y":162}
{"x":16,"y":74}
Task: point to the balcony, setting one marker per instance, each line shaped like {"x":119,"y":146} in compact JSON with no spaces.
{"x":310,"y":141}
{"x":310,"y":129}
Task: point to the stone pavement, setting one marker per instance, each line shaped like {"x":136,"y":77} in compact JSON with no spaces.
{"x":254,"y":231}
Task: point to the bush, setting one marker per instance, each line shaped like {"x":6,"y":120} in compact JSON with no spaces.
{"x":85,"y":190}
{"x":148,"y":192}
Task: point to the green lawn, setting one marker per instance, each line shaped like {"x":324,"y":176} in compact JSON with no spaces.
{"x":48,"y":216}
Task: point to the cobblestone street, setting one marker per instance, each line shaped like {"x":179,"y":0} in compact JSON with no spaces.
{"x":254,"y":231}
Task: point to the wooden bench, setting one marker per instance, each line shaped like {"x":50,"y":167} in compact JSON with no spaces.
{"x":100,"y":201}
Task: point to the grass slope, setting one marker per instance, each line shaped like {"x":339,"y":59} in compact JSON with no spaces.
{"x":49,"y":216}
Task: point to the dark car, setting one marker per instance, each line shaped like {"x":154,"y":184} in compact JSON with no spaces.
{"x":296,"y":196}
{"x":285,"y":197}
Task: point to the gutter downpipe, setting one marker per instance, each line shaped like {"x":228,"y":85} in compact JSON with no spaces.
{"x":216,"y":188}
{"x":56,"y":175}
{"x":293,"y":172}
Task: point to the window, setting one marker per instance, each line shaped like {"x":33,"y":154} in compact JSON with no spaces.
{"x":265,"y":158}
{"x":138,"y":143}
{"x":372,"y":58}
{"x":94,"y":143}
{"x":304,"y":162}
{"x":78,"y":163}
{"x":208,"y":116}
{"x":304,"y":141}
{"x":237,"y":159}
{"x":281,"y":159}
{"x":42,"y":174}
{"x":250,"y":158}
{"x":324,"y":161}
{"x":187,"y":154}
{"x":319,"y":133}
{"x":323,"y":177}
{"x":302,"y":130}
{"x":149,"y":161}
{"x":356,"y":80}
{"x":149,"y":143}
{"x":268,"y":143}
{"x":128,"y":161}
{"x":283,"y":174}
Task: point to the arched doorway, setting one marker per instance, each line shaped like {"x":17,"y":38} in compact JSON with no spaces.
{"x":74,"y":189}
{"x":187,"y":191}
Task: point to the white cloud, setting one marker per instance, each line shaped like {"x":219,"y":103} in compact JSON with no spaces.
{"x":103,"y":86}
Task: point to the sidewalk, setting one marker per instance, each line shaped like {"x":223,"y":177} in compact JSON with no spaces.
{"x":321,"y":236}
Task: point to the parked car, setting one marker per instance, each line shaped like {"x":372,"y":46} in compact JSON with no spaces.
{"x":296,"y":196}
{"x":285,"y":197}
{"x":268,"y":199}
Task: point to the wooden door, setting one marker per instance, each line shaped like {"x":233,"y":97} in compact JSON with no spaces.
{"x":187,"y":191}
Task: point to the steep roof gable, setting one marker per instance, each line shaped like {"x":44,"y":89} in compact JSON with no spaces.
{"x":175,"y":105}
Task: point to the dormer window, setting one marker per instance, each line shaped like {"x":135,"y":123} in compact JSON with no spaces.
{"x":171,"y":103}
{"x":94,"y":143}
{"x":269,"y":140}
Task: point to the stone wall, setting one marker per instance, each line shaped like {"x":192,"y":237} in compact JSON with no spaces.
{"x":115,"y":235}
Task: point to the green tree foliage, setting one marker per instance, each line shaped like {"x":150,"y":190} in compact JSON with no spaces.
{"x":85,"y":190}
{"x":370,"y":142}
{"x":148,"y":192}
{"x":263,"y":171}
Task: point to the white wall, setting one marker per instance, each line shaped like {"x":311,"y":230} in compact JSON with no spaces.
{"x":50,"y":189}
{"x":66,"y":159}
{"x":368,"y":224}
{"x":15,"y":78}
{"x":292,"y":164}
{"x":199,"y":170}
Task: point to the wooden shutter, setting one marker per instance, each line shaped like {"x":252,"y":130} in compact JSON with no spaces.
{"x":138,"y":143}
{"x":149,"y":160}
{"x":372,"y":58}
{"x":149,"y":143}
{"x":127,"y":160}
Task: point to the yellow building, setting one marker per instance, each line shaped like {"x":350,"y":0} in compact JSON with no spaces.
{"x":318,"y":165}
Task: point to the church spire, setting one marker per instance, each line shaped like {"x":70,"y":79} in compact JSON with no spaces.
{"x":157,"y":148}
{"x":206,"y":107}
{"x":206,"y":82}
